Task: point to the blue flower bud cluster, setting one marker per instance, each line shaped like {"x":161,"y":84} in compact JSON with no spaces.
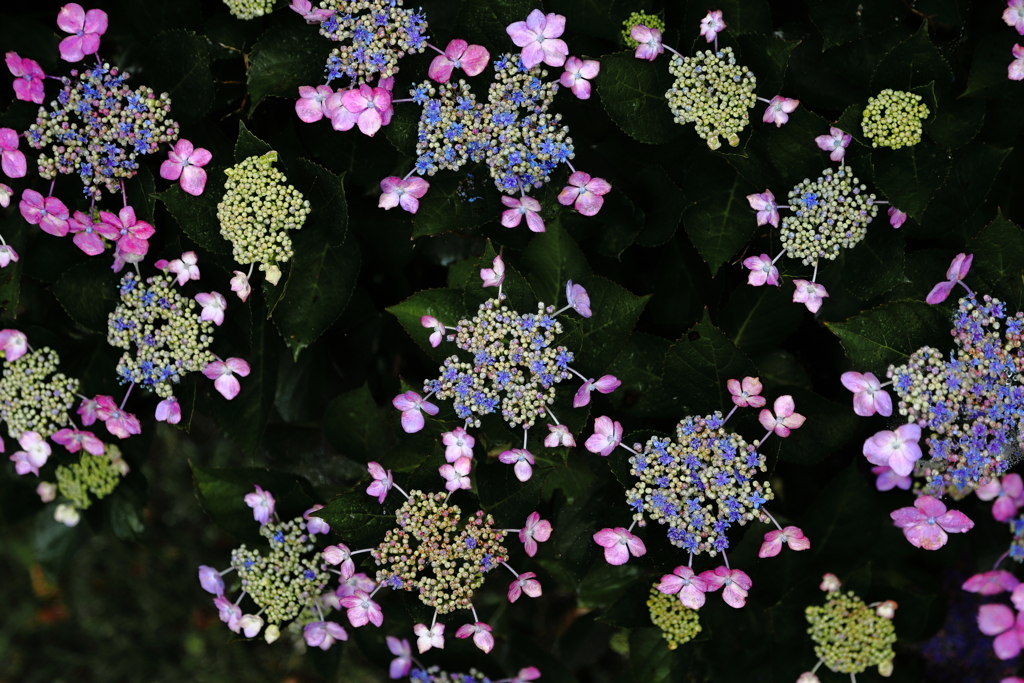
{"x":375,"y":35}
{"x":435,"y":675}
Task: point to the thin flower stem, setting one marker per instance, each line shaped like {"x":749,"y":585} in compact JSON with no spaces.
{"x":999,"y":560}
{"x":364,"y":550}
{"x":730,"y":414}
{"x":765,"y":511}
{"x":675,"y":52}
{"x":435,"y":49}
{"x":316,"y":603}
{"x":514,"y":572}
{"x":124,"y":195}
{"x":240,"y":598}
{"x":229,"y":569}
{"x":137,"y":269}
{"x":815,"y":276}
{"x":52,"y":183}
{"x":562,"y":309}
{"x":630,"y":529}
{"x":725,"y":558}
{"x":251,"y":266}
{"x":622,"y":445}
{"x":716,"y":42}
{"x":548,"y":410}
{"x":407,"y":99}
{"x":573,"y":371}
{"x":885,"y":385}
{"x":511,"y":530}
{"x":818,"y":665}
{"x":879,"y":202}
{"x":399,"y":489}
{"x":379,"y":586}
{"x":690,"y":563}
{"x":476,"y":619}
{"x":434,"y":620}
{"x":779,"y":256}
{"x":966,"y":287}
{"x":764,"y":100}
{"x":409,"y":174}
{"x":126,"y":395}
{"x":765,"y":438}
{"x":526,"y":433}
{"x":569,"y":164}
{"x":3,"y":241}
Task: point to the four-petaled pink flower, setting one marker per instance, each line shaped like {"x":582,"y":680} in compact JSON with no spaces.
{"x":525,"y":583}
{"x":899,"y":449}
{"x":925,"y":525}
{"x":312,"y":103}
{"x":372,"y":106}
{"x":85,"y":29}
{"x":578,"y":299}
{"x":712,"y":25}
{"x":405,"y":192}
{"x":606,"y":437}
{"x":784,"y":419}
{"x":690,"y":587}
{"x":49,"y":213}
{"x":411,"y":403}
{"x":886,"y":479}
{"x":779,"y":109}
{"x":323,"y":634}
{"x":223,"y":375}
{"x":577,"y":75}
{"x":735,"y":581}
{"x":118,"y":422}
{"x":958,"y":270}
{"x":456,"y":475}
{"x":28,"y":78}
{"x":186,"y":268}
{"x":1013,"y":15}
{"x":480,"y":631}
{"x":12,"y":159}
{"x":999,"y":621}
{"x":458,"y":444}
{"x":86,"y":234}
{"x":762,"y":270}
{"x":868,"y":395}
{"x":896,"y":217}
{"x":559,"y":435}
{"x":529,"y":673}
{"x":527,"y":206}
{"x":585,"y":193}
{"x":75,"y":440}
{"x":649,"y":39}
{"x":131,"y":234}
{"x":790,"y":535}
{"x":991,"y":583}
{"x":605,"y":384}
{"x":262,"y":504}
{"x":382,"y":482}
{"x":618,"y":545}
{"x":493,"y":277}
{"x":427,"y":638}
{"x":213,"y":304}
{"x":521,"y":460}
{"x":362,"y":610}
{"x":315,"y":525}
{"x":34,"y":454}
{"x":229,"y":612}
{"x":14,"y":345}
{"x":312,"y":16}
{"x":536,"y":530}
{"x":1015,"y":71}
{"x":810,"y":294}
{"x":458,"y":55}
{"x":746,"y":394}
{"x":1009,"y":495}
{"x":402,"y":662}
{"x":429,"y":321}
{"x":240,"y":285}
{"x":211,"y":580}
{"x":767,"y":209}
{"x":835,"y":142}
{"x":538,"y":36}
{"x":185,"y":162}
{"x":340,"y":555}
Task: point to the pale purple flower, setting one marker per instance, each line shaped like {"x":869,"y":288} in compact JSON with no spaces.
{"x":458,"y":55}
{"x":538,"y":36}
{"x":810,"y":294}
{"x":521,"y":460}
{"x":458,"y":444}
{"x":340,"y":555}
{"x":1015,"y":71}
{"x":118,"y":422}
{"x":767,"y":209}
{"x":406,"y":193}
{"x":527,"y":206}
{"x":1017,"y":598}
{"x":46,"y":491}
{"x":925,"y":525}
{"x":999,"y":621}
{"x":735,"y":582}
{"x":958,"y":270}
{"x":12,"y":159}
{"x":382,"y":482}
{"x":5,"y":195}
{"x":262,"y":504}
{"x":1009,"y":499}
{"x":493,"y":277}
{"x":312,"y":16}
{"x":886,"y":479}
{"x":618,"y":545}
{"x":402,"y":662}
{"x":312,"y":103}
{"x":1013,"y":15}
{"x":690,"y":587}
{"x":7,"y":254}
{"x":88,"y":411}
{"x":578,"y":299}
{"x":315,"y":525}
{"x":14,"y":345}
{"x":524,"y":583}
{"x":28,"y":78}
{"x":790,"y":535}
{"x":211,"y":580}
{"x":577,"y":75}
{"x":131,"y":234}
{"x":835,"y":142}
{"x":559,"y":435}
{"x":186,"y":268}
{"x":323,"y":634}
{"x":762,"y":269}
{"x":240,"y":285}
{"x":456,"y":476}
{"x":74,"y":440}
{"x":784,"y":419}
{"x":480,"y":631}
{"x":49,"y":213}
{"x":606,"y":437}
{"x":712,"y":25}
{"x":991,"y":583}
{"x":779,"y":109}
{"x":606,"y":385}
{"x":896,"y":217}
{"x":868,"y":395}
{"x":427,"y":638}
{"x":86,"y":234}
{"x":250,"y":624}
{"x":899,"y":449}
{"x":85,"y":29}
{"x":372,"y":107}
{"x":536,"y":530}
{"x":411,"y":403}
{"x":746,"y":394}
{"x":185,"y":162}
{"x":649,"y":39}
{"x":362,"y":610}
{"x":429,"y":321}
{"x":213,"y":304}
{"x":585,"y":193}
{"x":34,"y":454}
{"x":223,"y":375}
{"x":229,"y":612}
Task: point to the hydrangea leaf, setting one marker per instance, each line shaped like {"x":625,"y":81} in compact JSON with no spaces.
{"x":357,"y":519}
{"x":285,"y":57}
{"x":649,"y":657}
{"x":197,"y":216}
{"x":615,"y":312}
{"x":999,"y":260}
{"x":180,"y":67}
{"x":792,"y":148}
{"x":630,"y":609}
{"x":10,"y":277}
{"x":605,"y":583}
{"x":447,"y":305}
{"x":850,"y":122}
{"x":956,"y":123}
{"x":633,"y":94}
{"x":248,"y":145}
{"x":875,"y":265}
{"x":888,"y":334}
{"x":958,"y":201}
{"x":757,"y":319}
{"x":519,"y":295}
{"x":913,"y":62}
{"x":767,"y":56}
{"x":89,"y":293}
{"x":988,"y":67}
{"x":841,"y":21}
{"x":910,"y":176}
{"x":357,"y":427}
{"x":484,"y":23}
{"x":572,"y":478}
{"x":507,"y":498}
{"x":551,"y":259}
{"x":828,"y":427}
{"x":741,"y":16}
{"x":720,"y":221}
{"x":640,"y":367}
{"x":664,"y":204}
{"x":53,"y":544}
{"x":456,"y":202}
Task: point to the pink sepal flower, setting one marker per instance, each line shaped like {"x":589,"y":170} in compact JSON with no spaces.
{"x":406,"y":193}
{"x":606,"y":384}
{"x":712,"y":25}
{"x":1009,"y":499}
{"x":606,"y":437}
{"x":456,"y":476}
{"x":535,"y":531}
{"x":790,"y":535}
{"x":429,"y":321}
{"x":240,"y":285}
{"x":578,"y":299}
{"x":186,"y":268}
{"x":899,"y":450}
{"x":458,"y":55}
{"x":340,"y":556}
{"x":312,"y":103}
{"x":223,"y":375}
{"x":958,"y":270}
{"x":649,"y":39}
{"x":12,"y":159}
{"x":458,"y":444}
{"x":925,"y":525}
{"x":74,"y":440}
{"x":34,"y":454}
{"x":185,"y":162}
{"x":229,"y":612}
{"x":810,"y":294}
{"x":7,"y":254}
{"x":14,"y":345}
{"x":779,"y":109}
{"x":480,"y":631}
{"x":735,"y":582}
{"x":991,"y":583}
{"x":372,"y":107}
{"x":402,"y":662}
{"x":559,"y":435}
{"x":118,"y":422}
{"x":1017,"y":598}
{"x":382,"y":482}
{"x":784,"y":419}
{"x":886,"y":479}
{"x":577,"y":75}
{"x":262,"y":504}
{"x":529,"y":673}
{"x":618,"y":545}
{"x":46,"y":491}
{"x":88,"y":410}
{"x":521,"y":460}
{"x":767,"y":209}
{"x":28,"y":78}
{"x":86,"y":234}
{"x":411,"y":403}
{"x":585,"y":193}
{"x":427,"y":638}
{"x":835,"y":142}
{"x":211,"y":580}
{"x":85,"y":29}
{"x":323,"y":634}
{"x":538,"y":36}
{"x":762,"y":270}
{"x":1013,"y":15}
{"x":362,"y":610}
{"x":251,"y":625}
{"x":868,"y":395}
{"x":829,"y":583}
{"x":1015,"y":70}
{"x":341,"y":118}
{"x":525,"y":583}
{"x":527,"y":206}
{"x":49,"y":213}
{"x":689,"y":586}
{"x":746,"y":394}
{"x":493,"y":277}
{"x":896,"y":217}
{"x":213,"y":304}
{"x":5,"y":195}
{"x":132,"y":235}
{"x":304,"y":8}
{"x":999,"y":621}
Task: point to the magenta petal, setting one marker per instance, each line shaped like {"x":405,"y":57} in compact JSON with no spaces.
{"x":13,"y":163}
{"x":955,"y":522}
{"x":170,"y":169}
{"x":475,"y":60}
{"x":883,"y":403}
{"x":309,"y":109}
{"x":589,"y":203}
{"x":89,"y":242}
{"x":412,"y":421}
{"x":90,"y":44}
{"x":71,"y":49}
{"x":409,"y":202}
{"x":939,"y":292}
{"x":691,"y":596}
{"x":71,"y":18}
{"x":440,"y":69}
{"x":927,"y":536}
{"x":227,"y":385}
{"x":193,"y":180}
{"x":95,"y":22}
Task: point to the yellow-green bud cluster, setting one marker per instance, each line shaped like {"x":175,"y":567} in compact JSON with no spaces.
{"x":635,"y":19}
{"x":713,"y":92}
{"x":249,"y":9}
{"x":699,"y":485}
{"x":827,"y":214}
{"x":428,"y":553}
{"x":98,"y":475}
{"x":31,"y":400}
{"x":169,"y":338}
{"x":678,"y":623}
{"x":893,"y":119}
{"x":258,"y":210}
{"x":288,"y":578}
{"x":376,"y":33}
{"x":849,"y":636}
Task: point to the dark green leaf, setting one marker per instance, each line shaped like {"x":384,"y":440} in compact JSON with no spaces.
{"x":551,"y":259}
{"x":841,"y":21}
{"x":721,"y":220}
{"x":447,"y":305}
{"x":455,"y":203}
{"x":519,"y":295}
{"x":197,"y":216}
{"x":888,"y":334}
{"x":909,"y":177}
{"x":142,"y":190}
{"x":875,"y":265}
{"x":956,"y":123}
{"x":640,"y":366}
{"x":10,"y":277}
{"x":792,"y":148}
{"x":573,"y":478}
{"x":828,"y":427}
{"x":485,"y":22}
{"x":650,"y":660}
{"x":358,"y":519}
{"x":55,"y":544}
{"x":913,"y":62}
{"x":89,"y":292}
{"x":630,"y":610}
{"x":605,"y":583}
{"x":988,"y":67}
{"x":974,"y":170}
{"x":181,"y":62}
{"x":760,"y":318}
{"x":633,"y":93}
{"x":504,"y":496}
{"x":357,"y":426}
{"x":999,"y":258}
{"x":248,"y":145}
{"x":664,"y":205}
{"x":767,"y":56}
{"x":615,"y":312}
{"x":285,"y":57}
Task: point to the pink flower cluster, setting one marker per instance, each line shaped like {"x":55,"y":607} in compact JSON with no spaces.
{"x":1005,"y":624}
{"x":366,"y":106}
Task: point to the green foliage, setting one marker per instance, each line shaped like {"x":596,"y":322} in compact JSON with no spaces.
{"x":284,"y":58}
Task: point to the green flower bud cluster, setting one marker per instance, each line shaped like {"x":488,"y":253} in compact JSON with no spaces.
{"x":514,"y":367}
{"x":376,"y":33}
{"x":34,"y":397}
{"x":849,"y":636}
{"x":678,"y":623}
{"x":288,"y":578}
{"x":427,"y":552}
{"x":435,"y":675}
{"x":169,"y":338}
{"x":713,"y":92}
{"x":258,"y":210}
{"x":893,"y":119}
{"x":827,"y":214}
{"x":95,"y":474}
{"x":635,"y":19}
{"x":699,"y":485}
{"x":249,"y":9}
{"x":97,"y":128}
